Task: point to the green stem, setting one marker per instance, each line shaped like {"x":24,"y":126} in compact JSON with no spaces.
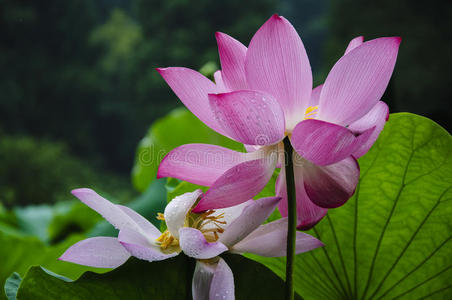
{"x":292,"y":222}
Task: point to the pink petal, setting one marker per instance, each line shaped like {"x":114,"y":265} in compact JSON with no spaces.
{"x":199,"y":163}
{"x":251,"y":217}
{"x":377,"y":118}
{"x":323,"y":143}
{"x":222,"y":286}
{"x":277,"y":63}
{"x":357,"y":41}
{"x":315,"y":95}
{"x":308,"y":214}
{"x":111,"y":212}
{"x":176,"y":211}
{"x":250,"y":117}
{"x":232,"y":58}
{"x":357,"y":81}
{"x":270,"y":240}
{"x":218,"y":77}
{"x":194,"y":244}
{"x":142,"y":247}
{"x":192,"y":89}
{"x":147,"y":227}
{"x":238,"y":184}
{"x":98,"y":252}
{"x":331,"y":186}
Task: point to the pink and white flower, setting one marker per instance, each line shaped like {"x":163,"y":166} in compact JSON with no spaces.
{"x":202,"y":236}
{"x":262,"y":94}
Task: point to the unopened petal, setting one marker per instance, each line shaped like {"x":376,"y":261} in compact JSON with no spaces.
{"x":331,"y":186}
{"x":308,"y":214}
{"x":98,"y":252}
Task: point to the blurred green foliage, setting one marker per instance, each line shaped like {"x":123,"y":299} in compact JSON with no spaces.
{"x":83,"y":72}
{"x":40,"y":171}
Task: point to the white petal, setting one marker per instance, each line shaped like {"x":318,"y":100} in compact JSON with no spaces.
{"x":177,"y":210}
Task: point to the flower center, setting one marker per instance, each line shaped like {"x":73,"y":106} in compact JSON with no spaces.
{"x":310,"y":112}
{"x":209,"y":224}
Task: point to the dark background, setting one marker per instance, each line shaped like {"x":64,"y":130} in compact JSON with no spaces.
{"x":78,"y":86}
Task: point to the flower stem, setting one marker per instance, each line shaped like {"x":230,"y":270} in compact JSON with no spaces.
{"x":292,"y":222}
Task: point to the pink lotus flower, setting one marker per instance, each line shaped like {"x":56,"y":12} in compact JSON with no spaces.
{"x":264,"y":93}
{"x":202,"y":236}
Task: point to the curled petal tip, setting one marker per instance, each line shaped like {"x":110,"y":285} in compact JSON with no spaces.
{"x":276,"y":17}
{"x":161,"y":70}
{"x":276,"y":200}
{"x":75,"y":192}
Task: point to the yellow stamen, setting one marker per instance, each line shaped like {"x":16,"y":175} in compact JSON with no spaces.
{"x":206,"y":218}
{"x":311,"y":111}
{"x":160,"y":216}
{"x":166,"y":240}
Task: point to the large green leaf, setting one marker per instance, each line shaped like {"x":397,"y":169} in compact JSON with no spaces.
{"x":169,"y":279}
{"x":177,"y":128}
{"x":19,"y":250}
{"x":18,"y":253}
{"x":392,"y":240}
